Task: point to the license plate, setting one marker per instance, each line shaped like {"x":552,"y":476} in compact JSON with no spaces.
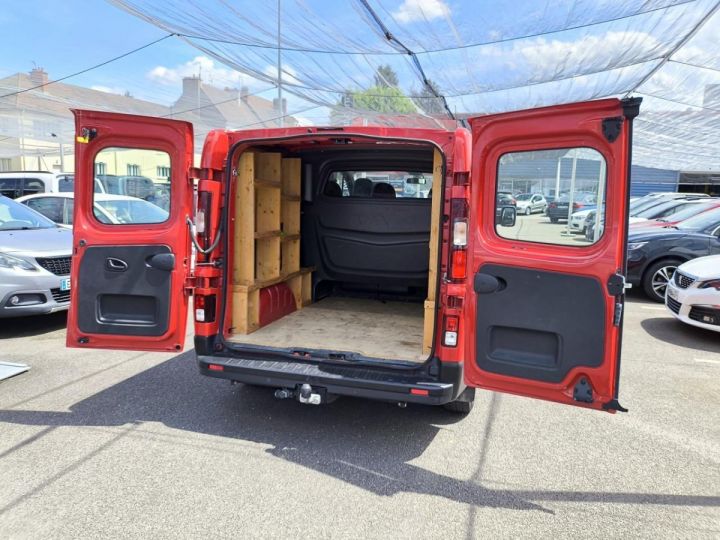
{"x":65,"y":284}
{"x":672,"y":293}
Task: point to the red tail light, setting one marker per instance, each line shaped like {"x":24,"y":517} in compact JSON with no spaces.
{"x":552,"y":205}
{"x":577,"y":205}
{"x":450,"y":330}
{"x":202,"y":217}
{"x":457,"y":260}
{"x":204,"y":308}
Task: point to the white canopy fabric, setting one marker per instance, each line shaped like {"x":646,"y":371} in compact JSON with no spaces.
{"x":435,"y":62}
{"x":480,"y":57}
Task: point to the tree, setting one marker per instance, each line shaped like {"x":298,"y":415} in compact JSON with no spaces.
{"x":384,"y":100}
{"x":383,"y":97}
{"x":386,"y":77}
{"x":426,"y":99}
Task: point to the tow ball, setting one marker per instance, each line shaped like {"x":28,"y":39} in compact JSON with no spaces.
{"x":304,"y":393}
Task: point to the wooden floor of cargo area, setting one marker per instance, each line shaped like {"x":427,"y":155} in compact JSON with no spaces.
{"x":392,"y":330}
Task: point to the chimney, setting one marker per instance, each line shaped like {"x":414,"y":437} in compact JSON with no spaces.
{"x":244,"y":93}
{"x":191,"y":90}
{"x":38,"y":76}
{"x":276,"y":105}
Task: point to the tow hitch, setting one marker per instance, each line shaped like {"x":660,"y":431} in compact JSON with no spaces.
{"x":304,"y":393}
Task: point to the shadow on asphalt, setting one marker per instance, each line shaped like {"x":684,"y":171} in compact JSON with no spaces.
{"x":17,"y":327}
{"x":364,"y":443}
{"x":670,"y":330}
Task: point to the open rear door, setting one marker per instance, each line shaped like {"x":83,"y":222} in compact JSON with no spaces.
{"x":545,"y":300}
{"x":131,"y":246}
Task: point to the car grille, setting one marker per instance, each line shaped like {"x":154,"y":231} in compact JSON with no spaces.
{"x":705,"y":315}
{"x":683,"y":281}
{"x":60,"y":266}
{"x":674,"y":305}
{"x":60,"y":296}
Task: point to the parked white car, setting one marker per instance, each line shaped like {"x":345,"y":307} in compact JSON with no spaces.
{"x":579,"y":220}
{"x":693,"y":293}
{"x":530,"y":203}
{"x":35,"y":259}
{"x":117,"y":209}
{"x":21,"y":183}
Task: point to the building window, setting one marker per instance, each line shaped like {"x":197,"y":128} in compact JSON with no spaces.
{"x":163,"y":172}
{"x":100,"y":167}
{"x":133,"y":170}
{"x":5,"y":164}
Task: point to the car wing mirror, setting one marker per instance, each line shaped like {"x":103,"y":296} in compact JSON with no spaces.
{"x":507,"y":217}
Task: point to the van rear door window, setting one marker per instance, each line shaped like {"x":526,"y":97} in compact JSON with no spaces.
{"x":379,"y":184}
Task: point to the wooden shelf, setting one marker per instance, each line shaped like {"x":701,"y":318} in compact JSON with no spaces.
{"x":267,"y":183}
{"x":274,"y":234}
{"x":262,"y":283}
{"x":267,"y":234}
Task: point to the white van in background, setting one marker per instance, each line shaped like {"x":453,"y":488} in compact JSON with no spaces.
{"x":14,"y":184}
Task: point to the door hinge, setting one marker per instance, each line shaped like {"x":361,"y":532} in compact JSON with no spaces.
{"x":583,"y":391}
{"x":616,"y":284}
{"x":189,"y":285}
{"x":611,"y":128}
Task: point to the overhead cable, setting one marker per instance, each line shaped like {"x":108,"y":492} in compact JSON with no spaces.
{"x":96,"y":66}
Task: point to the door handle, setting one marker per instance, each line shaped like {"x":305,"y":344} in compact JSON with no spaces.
{"x":486,"y":284}
{"x":115,"y":265}
{"x":161,"y":261}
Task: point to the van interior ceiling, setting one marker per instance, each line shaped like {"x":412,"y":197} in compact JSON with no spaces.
{"x":333,"y":248}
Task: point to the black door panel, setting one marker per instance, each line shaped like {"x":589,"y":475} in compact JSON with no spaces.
{"x":121,"y":293}
{"x":525,"y":329}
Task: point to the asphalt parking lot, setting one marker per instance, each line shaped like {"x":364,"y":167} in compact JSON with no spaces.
{"x":127,"y":444}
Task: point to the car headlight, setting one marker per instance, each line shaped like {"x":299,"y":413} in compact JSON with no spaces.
{"x":635,"y":245}
{"x":712,"y":284}
{"x":11,"y":262}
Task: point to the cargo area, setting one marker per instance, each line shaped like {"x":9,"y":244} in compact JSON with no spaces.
{"x":335,"y":250}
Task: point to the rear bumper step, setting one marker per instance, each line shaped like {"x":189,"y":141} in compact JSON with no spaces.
{"x":338,"y":380}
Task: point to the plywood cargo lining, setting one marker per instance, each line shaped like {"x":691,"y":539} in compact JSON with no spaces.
{"x":373,"y":328}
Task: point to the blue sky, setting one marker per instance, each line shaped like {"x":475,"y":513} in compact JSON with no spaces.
{"x":83,"y":33}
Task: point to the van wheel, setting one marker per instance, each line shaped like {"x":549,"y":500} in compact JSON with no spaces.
{"x":656,"y":278}
{"x":553,"y":220}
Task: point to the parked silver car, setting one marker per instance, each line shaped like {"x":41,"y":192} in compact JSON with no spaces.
{"x":35,"y":259}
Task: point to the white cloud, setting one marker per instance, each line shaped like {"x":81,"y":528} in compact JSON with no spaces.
{"x":593,"y":52}
{"x":289,"y":75}
{"x":206,"y":68}
{"x":418,"y":10}
{"x":108,"y":89}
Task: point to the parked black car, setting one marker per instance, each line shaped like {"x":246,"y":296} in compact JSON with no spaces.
{"x":558,"y":209}
{"x":653,"y":256}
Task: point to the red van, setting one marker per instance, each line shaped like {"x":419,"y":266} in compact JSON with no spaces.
{"x":366,"y":261}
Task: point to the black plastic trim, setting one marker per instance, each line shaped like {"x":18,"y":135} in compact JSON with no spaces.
{"x":631,"y":109}
{"x":346,"y":381}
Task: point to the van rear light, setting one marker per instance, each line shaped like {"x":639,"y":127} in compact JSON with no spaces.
{"x":450,"y":330}
{"x":215,"y":367}
{"x":419,"y":392}
{"x":202,"y":217}
{"x":460,"y":233}
{"x":457,"y":258}
{"x":205,"y":308}
{"x":459,"y":262}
